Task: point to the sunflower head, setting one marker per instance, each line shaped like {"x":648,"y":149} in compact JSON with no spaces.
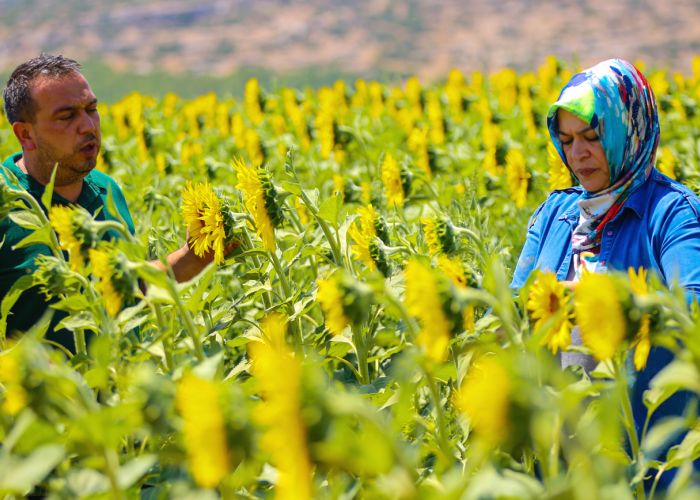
{"x":485,"y":399}
{"x":115,"y":281}
{"x":439,"y":234}
{"x":76,"y":232}
{"x":599,"y":314}
{"x":54,"y":277}
{"x":549,"y":305}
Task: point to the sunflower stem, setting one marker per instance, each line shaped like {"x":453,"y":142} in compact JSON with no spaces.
{"x":440,"y":417}
{"x":267,"y":301}
{"x":628,"y":419}
{"x":189,"y":323}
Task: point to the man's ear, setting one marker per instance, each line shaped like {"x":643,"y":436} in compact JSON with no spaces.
{"x":25,"y":135}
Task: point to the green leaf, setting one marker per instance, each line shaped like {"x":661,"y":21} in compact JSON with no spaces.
{"x":26,"y":219}
{"x":677,"y":375}
{"x":292,"y":187}
{"x":18,"y":287}
{"x":48,"y":189}
{"x":132,"y":471}
{"x":661,"y":434}
{"x":39,"y":236}
{"x":330,"y":209}
{"x":687,"y":451}
{"x":20,"y":475}
{"x":86,"y":482}
{"x":207,"y":369}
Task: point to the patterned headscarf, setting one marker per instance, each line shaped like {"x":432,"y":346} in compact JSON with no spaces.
{"x":614,"y":98}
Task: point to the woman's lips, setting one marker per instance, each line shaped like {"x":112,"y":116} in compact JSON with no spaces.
{"x":586,"y":172}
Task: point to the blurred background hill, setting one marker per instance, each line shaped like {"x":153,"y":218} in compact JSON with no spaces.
{"x":193,"y":46}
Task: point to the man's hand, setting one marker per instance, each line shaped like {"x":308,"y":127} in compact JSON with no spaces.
{"x":186,"y":264}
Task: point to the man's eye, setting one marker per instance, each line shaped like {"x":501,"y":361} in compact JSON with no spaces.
{"x":65,"y":117}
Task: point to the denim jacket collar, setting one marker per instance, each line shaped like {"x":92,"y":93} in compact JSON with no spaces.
{"x":637,"y":203}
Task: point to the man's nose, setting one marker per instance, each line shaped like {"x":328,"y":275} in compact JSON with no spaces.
{"x":88,"y":122}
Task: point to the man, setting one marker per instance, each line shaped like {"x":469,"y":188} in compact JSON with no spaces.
{"x":53,"y":113}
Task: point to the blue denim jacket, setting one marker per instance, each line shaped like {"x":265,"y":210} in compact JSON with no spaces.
{"x":658,"y":228}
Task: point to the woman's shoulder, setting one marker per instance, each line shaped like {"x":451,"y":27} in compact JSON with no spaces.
{"x":559,"y":202}
{"x":669,"y":192}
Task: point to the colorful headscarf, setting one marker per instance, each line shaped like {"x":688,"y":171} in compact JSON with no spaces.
{"x":615,"y":99}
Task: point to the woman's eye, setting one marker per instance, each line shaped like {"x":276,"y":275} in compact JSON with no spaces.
{"x":593,"y":138}
{"x":566,"y":142}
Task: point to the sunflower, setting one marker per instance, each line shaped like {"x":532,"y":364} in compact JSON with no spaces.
{"x":453,"y":269}
{"x":203,"y":213}
{"x":368,"y":231}
{"x":74,"y":233}
{"x":642,"y":342}
{"x":423,"y":301}
{"x":599,"y":314}
{"x":204,"y":433}
{"x":484,"y":398}
{"x":278,"y":375}
{"x":517,"y":177}
{"x":559,"y":175}
{"x":103,"y":270}
{"x":391,"y":178}
{"x":256,"y":202}
{"x":439,"y":235}
{"x":331,"y":300}
{"x":547,"y":300}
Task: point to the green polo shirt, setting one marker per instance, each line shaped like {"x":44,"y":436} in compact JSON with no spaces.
{"x":16,"y":263}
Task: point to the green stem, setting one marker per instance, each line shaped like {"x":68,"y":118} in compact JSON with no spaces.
{"x":441,"y":430}
{"x":360,"y":343}
{"x":80,"y":345}
{"x":189,"y":323}
{"x":335,"y":246}
{"x":280,"y":273}
{"x":111,"y":466}
{"x":629,"y":420}
{"x":167,"y":341}
{"x":267,"y":300}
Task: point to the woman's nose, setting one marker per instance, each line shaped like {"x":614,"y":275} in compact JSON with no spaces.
{"x":579,"y":149}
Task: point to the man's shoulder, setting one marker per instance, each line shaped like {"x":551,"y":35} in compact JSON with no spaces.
{"x":102,"y":180}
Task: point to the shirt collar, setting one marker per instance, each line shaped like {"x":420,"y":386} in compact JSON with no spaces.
{"x":89,"y":194}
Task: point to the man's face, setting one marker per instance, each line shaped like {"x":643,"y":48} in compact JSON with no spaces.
{"x":66,"y":128}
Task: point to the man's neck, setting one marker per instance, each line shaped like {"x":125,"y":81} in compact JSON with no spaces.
{"x":70,"y":192}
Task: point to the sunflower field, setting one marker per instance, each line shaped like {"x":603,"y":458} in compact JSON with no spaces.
{"x":361,"y":340}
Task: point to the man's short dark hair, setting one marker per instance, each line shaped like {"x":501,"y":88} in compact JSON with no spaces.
{"x":19,"y":106}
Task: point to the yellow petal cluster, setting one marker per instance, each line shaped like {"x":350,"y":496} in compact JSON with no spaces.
{"x":61,"y":218}
{"x":330,"y":298}
{"x":599,"y":314}
{"x":423,"y":302}
{"x":559,"y":176}
{"x":201,"y":209}
{"x":254,"y":201}
{"x":103,"y":271}
{"x":484,"y":397}
{"x":391,"y":178}
{"x":363,"y":232}
{"x":197,"y":401}
{"x":547,"y":300}
{"x":14,"y":397}
{"x":278,"y":375}
{"x":642,"y":341}
{"x":517,"y":177}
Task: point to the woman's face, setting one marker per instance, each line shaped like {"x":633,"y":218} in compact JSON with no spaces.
{"x":584,"y":152}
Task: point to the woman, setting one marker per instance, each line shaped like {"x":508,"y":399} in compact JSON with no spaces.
{"x":625,"y":213}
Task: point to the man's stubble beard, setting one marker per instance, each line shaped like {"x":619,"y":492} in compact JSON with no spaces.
{"x":71,"y":168}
